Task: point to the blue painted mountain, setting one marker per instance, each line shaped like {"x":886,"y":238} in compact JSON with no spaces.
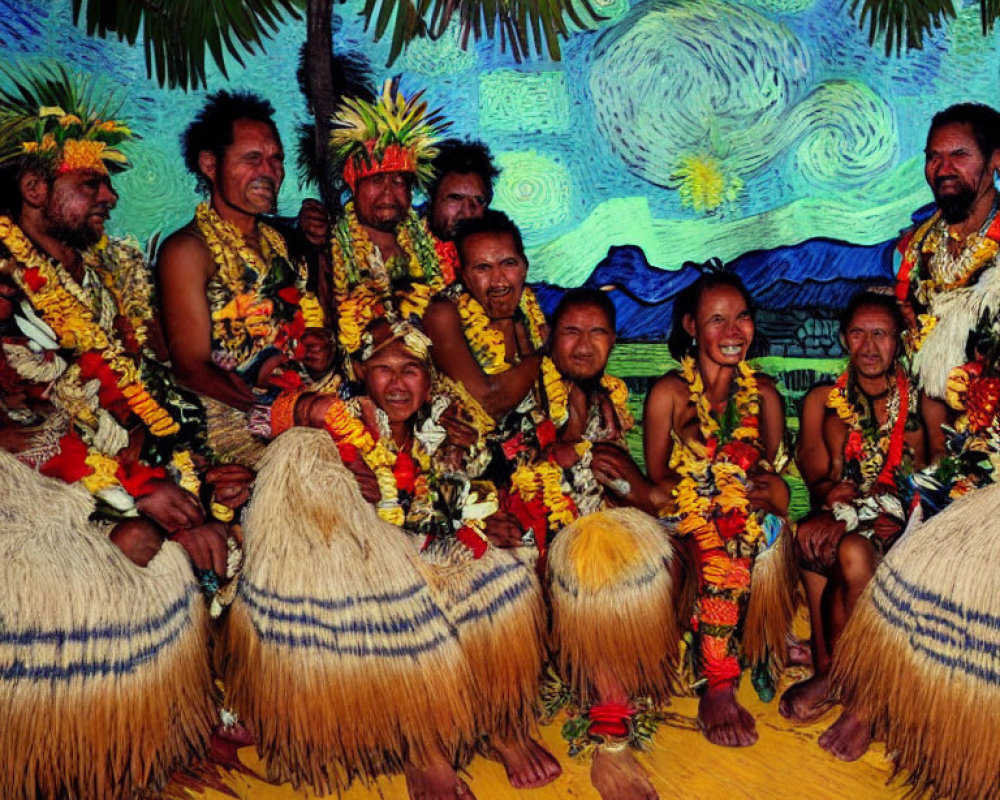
{"x":819,"y":274}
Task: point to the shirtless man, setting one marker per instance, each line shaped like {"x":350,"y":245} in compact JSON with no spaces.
{"x":239,"y":322}
{"x":859,"y":441}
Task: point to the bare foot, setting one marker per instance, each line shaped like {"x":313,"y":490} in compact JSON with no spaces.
{"x":723,"y":720}
{"x":528,"y":764}
{"x":437,"y":781}
{"x":618,"y":776}
{"x":848,"y":738}
{"x":807,"y":700}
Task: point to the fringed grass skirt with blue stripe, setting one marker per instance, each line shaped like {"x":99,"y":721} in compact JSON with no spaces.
{"x":105,"y":684}
{"x":348,"y":653}
{"x":920,"y":656}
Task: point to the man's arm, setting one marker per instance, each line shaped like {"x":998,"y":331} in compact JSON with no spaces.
{"x":934,"y":414}
{"x":497,"y":394}
{"x":183,"y":270}
{"x":813,"y":455}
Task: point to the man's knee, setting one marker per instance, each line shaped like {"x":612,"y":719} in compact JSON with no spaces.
{"x":856,"y":559}
{"x":138,"y":539}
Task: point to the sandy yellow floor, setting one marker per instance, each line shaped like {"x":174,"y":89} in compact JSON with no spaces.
{"x":786,"y":764}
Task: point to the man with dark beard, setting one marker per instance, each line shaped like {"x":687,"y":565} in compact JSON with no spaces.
{"x":946,"y":279}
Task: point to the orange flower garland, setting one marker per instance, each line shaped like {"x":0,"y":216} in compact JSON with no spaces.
{"x":712,"y":507}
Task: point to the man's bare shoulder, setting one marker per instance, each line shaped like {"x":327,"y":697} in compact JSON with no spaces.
{"x":185,"y":248}
{"x":817,"y":396}
{"x":442,"y":311}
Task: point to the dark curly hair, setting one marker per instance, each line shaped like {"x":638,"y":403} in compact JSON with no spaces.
{"x":212,"y":128}
{"x":493,"y":222}
{"x":983,"y":119}
{"x":463,"y":157}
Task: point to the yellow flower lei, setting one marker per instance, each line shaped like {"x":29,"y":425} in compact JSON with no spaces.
{"x":67,"y":311}
{"x":487,"y":344}
{"x":697,"y":470}
{"x":230,"y":250}
{"x":557,"y":391}
{"x":357,"y":262}
{"x":546,"y":478}
{"x":381,"y":455}
{"x":931,"y":238}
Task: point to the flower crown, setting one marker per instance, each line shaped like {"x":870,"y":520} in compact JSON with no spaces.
{"x":392,"y":134}
{"x":55,"y":119}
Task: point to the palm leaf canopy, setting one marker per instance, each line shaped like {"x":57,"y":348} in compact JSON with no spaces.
{"x":177,"y":34}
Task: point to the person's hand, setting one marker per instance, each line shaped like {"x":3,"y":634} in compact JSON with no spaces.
{"x":503,"y":530}
{"x":205,"y":545}
{"x":767,"y":492}
{"x":818,"y":538}
{"x":318,"y":346}
{"x":170,"y":506}
{"x":367,"y":482}
{"x":563,"y":453}
{"x":314,"y":222}
{"x":230,"y":484}
{"x":843,"y":492}
{"x":458,"y":426}
{"x":612,"y":465}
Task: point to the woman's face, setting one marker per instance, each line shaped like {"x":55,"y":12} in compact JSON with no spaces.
{"x":722,"y":326}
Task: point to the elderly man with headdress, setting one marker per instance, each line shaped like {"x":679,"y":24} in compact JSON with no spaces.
{"x":409,"y":636}
{"x":917,"y":664}
{"x":383,"y":258}
{"x":241,"y":325}
{"x":105,"y":683}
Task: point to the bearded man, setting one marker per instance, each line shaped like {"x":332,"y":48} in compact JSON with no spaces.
{"x":104,"y":628}
{"x":913,"y":666}
{"x":239,"y":322}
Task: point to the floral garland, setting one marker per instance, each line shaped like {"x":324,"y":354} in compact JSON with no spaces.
{"x":244,"y":321}
{"x":875,"y":451}
{"x":407,"y":496}
{"x":712,"y":507}
{"x":357,"y":261}
{"x":66,"y":310}
{"x":486,"y":343}
{"x":930,"y":241}
{"x":87,"y":323}
{"x":557,"y":393}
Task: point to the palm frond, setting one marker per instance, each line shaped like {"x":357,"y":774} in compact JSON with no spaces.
{"x":525,"y":26}
{"x":176,"y":34}
{"x":904,"y":24}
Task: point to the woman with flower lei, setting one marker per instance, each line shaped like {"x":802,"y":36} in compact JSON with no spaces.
{"x":712,"y":433}
{"x":489,"y":596}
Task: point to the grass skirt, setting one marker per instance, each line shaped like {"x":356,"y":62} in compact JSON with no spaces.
{"x":611,"y":591}
{"x":341,"y":659}
{"x":105,"y":686}
{"x":495,"y":604}
{"x":920,"y":656}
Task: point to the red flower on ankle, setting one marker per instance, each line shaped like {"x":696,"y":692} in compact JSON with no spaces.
{"x":610,"y":719}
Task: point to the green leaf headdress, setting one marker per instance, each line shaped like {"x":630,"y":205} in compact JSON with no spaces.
{"x":393,"y":134}
{"x":62,"y":121}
